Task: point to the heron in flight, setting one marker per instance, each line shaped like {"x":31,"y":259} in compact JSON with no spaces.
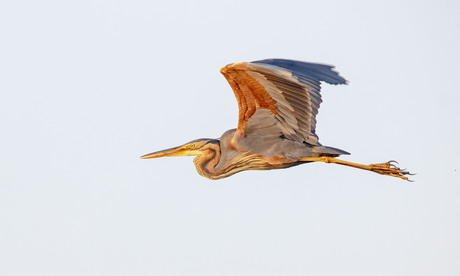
{"x":278,"y":100}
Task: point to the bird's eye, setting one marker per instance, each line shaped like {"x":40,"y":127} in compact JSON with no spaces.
{"x":191,"y":146}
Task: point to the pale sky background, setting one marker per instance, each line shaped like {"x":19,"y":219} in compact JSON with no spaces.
{"x":89,"y":86}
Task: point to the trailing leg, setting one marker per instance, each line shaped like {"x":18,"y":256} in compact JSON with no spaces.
{"x":388,"y":168}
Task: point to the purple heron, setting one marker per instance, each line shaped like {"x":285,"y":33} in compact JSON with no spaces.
{"x":278,"y":101}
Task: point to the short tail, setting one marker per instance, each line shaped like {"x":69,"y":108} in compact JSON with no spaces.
{"x":329,"y":151}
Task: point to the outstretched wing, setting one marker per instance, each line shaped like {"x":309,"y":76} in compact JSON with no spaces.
{"x":279,"y":97}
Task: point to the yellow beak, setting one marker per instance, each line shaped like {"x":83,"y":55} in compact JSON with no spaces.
{"x":177,"y":151}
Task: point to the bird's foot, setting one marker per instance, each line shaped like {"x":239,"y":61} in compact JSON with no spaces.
{"x":390,"y":168}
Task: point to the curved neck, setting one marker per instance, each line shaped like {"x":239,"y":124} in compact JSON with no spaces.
{"x":208,"y":159}
{"x":206,"y":162}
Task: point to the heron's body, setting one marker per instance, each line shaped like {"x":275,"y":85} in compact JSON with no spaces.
{"x":278,"y":101}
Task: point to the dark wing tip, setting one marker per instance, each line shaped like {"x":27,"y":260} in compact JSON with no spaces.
{"x":319,"y":72}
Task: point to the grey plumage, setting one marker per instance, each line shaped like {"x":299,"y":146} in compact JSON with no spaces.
{"x":278,"y":101}
{"x":295,"y":86}
{"x":307,"y":70}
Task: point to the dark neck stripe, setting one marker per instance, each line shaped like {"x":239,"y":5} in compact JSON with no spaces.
{"x":204,"y":165}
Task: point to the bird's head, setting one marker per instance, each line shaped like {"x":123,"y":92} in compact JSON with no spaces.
{"x":193,"y":148}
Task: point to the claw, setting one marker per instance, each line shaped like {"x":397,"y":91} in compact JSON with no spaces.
{"x":390,"y":168}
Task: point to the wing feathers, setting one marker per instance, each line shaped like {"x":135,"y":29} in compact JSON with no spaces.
{"x":288,"y":91}
{"x":319,"y":72}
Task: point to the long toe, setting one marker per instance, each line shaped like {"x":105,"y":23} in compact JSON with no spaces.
{"x":390,"y":168}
